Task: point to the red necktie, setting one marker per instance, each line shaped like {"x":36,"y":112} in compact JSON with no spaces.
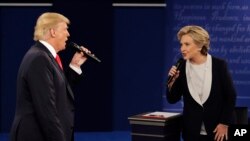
{"x":58,"y":60}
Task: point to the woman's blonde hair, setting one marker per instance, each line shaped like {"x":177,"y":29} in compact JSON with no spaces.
{"x":198,"y":34}
{"x":47,"y":21}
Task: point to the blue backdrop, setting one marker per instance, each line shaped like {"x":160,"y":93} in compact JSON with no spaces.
{"x":128,"y":40}
{"x":137,"y":45}
{"x":227,"y":21}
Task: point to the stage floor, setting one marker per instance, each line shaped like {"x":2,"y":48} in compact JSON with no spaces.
{"x":92,"y":136}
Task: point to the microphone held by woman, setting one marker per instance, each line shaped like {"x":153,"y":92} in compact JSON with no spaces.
{"x":178,"y":66}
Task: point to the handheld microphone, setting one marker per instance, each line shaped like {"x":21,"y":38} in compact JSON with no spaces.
{"x":178,"y":66}
{"x":72,"y":44}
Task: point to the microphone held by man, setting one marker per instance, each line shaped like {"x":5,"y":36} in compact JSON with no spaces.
{"x":76,"y":46}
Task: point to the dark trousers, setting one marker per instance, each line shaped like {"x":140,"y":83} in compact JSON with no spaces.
{"x":206,"y":138}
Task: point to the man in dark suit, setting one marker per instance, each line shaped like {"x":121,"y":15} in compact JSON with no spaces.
{"x":45,"y":101}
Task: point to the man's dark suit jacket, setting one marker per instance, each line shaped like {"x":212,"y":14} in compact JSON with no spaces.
{"x":218,"y":108}
{"x":45,"y":101}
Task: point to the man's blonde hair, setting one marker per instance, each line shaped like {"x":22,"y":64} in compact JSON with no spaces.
{"x":47,"y":21}
{"x":198,"y":34}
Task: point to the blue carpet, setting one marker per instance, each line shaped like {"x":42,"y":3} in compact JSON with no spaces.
{"x":103,"y":136}
{"x":92,"y":136}
{"x":3,"y":137}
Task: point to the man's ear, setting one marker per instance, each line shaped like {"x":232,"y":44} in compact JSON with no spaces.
{"x":52,"y":32}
